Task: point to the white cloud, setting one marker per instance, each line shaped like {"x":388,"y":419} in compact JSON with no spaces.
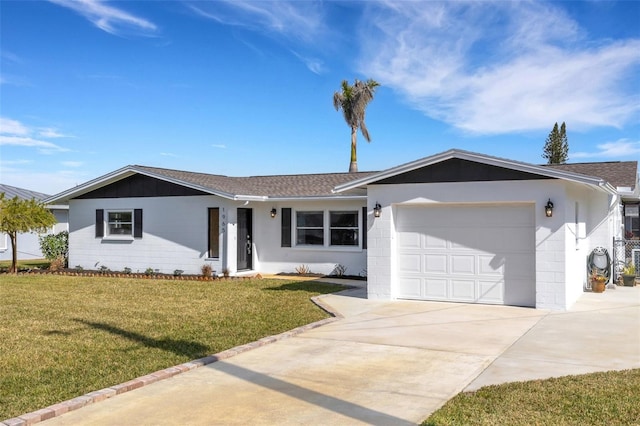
{"x":220,"y":146}
{"x":110,"y":19}
{"x":618,"y":149}
{"x":297,"y":19}
{"x":50,"y":132}
{"x":315,"y":65}
{"x":14,"y":133}
{"x":492,"y":68}
{"x":12,"y":127}
{"x":43,"y":147}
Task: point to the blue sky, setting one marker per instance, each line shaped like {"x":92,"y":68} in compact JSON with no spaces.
{"x":245,"y":88}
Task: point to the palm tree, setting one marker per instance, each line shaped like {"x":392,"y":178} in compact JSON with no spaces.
{"x":354,"y":100}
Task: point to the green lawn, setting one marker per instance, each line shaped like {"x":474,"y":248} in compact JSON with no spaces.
{"x":25,"y":264}
{"x":64,"y":336}
{"x":611,"y":398}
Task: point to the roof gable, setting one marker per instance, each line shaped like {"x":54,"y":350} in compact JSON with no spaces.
{"x":515,"y":169}
{"x":143,"y":181}
{"x":140,"y":186}
{"x":459,"y":170}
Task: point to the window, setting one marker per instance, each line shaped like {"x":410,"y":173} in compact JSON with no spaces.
{"x":310,"y":228}
{"x":120,"y":223}
{"x":344,"y":228}
{"x":339,"y":228}
{"x":631,"y":221}
{"x":214,"y":232}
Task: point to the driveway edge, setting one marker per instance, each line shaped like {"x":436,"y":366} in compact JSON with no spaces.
{"x":60,"y":408}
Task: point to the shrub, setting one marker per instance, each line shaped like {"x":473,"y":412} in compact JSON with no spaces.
{"x":126,"y":270}
{"x":149,"y":271}
{"x":177,"y":272}
{"x":206,"y":270}
{"x":302,"y":269}
{"x":57,"y":264}
{"x":54,"y":246}
{"x":339,"y":270}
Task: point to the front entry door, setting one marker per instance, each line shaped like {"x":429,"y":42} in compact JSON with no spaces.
{"x":245,"y":245}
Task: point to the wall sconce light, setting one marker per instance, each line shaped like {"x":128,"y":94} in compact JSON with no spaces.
{"x":548,"y":209}
{"x":377,"y":210}
{"x":273,"y":212}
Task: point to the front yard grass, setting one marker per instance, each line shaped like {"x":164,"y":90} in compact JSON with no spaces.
{"x":609,"y":398}
{"x":64,"y":336}
{"x":25,"y":264}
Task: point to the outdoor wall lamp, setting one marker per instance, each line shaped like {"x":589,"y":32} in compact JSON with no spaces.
{"x":273,"y":212}
{"x":548,"y":209}
{"x":377,"y":210}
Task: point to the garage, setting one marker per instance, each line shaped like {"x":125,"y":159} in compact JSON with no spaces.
{"x":472,"y":253}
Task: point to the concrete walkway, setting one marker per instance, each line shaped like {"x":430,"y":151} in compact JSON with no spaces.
{"x":385,"y":363}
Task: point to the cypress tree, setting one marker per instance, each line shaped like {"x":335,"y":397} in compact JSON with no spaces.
{"x":556,"y":146}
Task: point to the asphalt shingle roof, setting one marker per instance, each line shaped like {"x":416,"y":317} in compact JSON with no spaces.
{"x":617,"y":173}
{"x":277,"y":186}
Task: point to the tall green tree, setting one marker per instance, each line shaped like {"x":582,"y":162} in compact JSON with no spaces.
{"x":18,"y":216}
{"x":556,"y":147}
{"x":353,"y":101}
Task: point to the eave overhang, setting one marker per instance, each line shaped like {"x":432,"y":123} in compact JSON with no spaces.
{"x":480,"y":158}
{"x":128,"y":171}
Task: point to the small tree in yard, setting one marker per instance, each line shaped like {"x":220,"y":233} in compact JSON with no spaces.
{"x":17,"y":216}
{"x":556,"y":147}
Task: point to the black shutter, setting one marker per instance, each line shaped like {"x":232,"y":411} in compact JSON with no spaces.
{"x":364,"y":227}
{"x":137,"y":223}
{"x":99,"y":223}
{"x":286,"y":227}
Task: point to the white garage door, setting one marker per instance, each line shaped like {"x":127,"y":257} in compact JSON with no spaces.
{"x":467,"y":253}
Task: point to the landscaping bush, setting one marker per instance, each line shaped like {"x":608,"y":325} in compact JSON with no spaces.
{"x":55,"y":246}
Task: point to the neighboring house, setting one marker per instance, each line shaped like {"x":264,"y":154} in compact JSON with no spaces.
{"x":456,"y":226}
{"x":29,"y":243}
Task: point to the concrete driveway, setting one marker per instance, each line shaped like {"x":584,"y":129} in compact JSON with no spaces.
{"x":385,"y":363}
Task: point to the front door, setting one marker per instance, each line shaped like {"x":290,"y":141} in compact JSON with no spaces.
{"x":245,"y":245}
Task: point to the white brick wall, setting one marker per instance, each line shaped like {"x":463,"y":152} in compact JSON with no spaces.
{"x":560,"y":273}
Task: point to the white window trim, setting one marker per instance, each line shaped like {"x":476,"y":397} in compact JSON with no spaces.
{"x":326,"y":222}
{"x":107,"y":229}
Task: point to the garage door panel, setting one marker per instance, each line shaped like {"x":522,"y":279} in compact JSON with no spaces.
{"x":410,"y":264}
{"x":519,"y":266}
{"x":490,"y":291}
{"x":410,"y":240}
{"x":436,"y":288}
{"x":435,"y":264}
{"x":463,"y":264}
{"x":518,"y":239}
{"x":482,"y":254}
{"x":461,"y":239}
{"x":411,"y":287}
{"x":434,"y":242}
{"x":463,"y":290}
{"x":490,"y":265}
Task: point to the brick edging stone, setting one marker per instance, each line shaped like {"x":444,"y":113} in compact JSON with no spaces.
{"x":60,"y":408}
